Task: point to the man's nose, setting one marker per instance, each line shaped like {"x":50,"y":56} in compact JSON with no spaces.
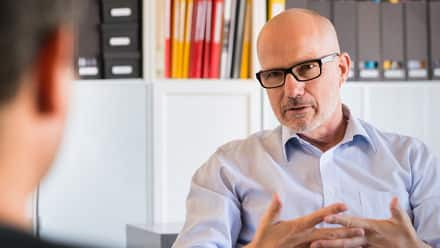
{"x":292,"y":87}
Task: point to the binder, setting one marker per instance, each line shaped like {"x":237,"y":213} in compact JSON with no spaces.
{"x":231,"y":38}
{"x":187,"y":38}
{"x":238,"y":41}
{"x":393,"y":60}
{"x":88,"y":61}
{"x":207,"y":40}
{"x":296,"y":4}
{"x":168,"y":23}
{"x":434,"y":17}
{"x":120,"y":38}
{"x":122,"y":65}
{"x":175,"y":39}
{"x":117,"y":11}
{"x":216,"y":39}
{"x":323,"y":7}
{"x":168,"y":20}
{"x":245,"y":55}
{"x":275,"y":7}
{"x":259,"y":15}
{"x":226,"y":54}
{"x":368,"y":31}
{"x":197,"y":39}
{"x":345,"y":21}
{"x":416,"y":40}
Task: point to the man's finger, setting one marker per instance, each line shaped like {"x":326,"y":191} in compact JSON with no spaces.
{"x":351,"y":242}
{"x":318,"y":216}
{"x":272,"y":212}
{"x":396,"y":211}
{"x":314,"y":234}
{"x":348,"y":221}
{"x":335,"y":233}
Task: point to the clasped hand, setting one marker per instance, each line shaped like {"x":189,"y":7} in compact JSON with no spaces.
{"x":354,"y":232}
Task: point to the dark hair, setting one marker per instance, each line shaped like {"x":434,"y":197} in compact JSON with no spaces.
{"x":25,"y":25}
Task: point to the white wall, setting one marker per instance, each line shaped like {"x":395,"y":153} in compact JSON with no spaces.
{"x":99,"y":182}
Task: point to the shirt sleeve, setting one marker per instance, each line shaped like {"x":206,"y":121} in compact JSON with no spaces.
{"x":425,"y":194}
{"x":212,"y":208}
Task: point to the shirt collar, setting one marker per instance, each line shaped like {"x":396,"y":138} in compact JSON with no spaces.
{"x":354,"y":129}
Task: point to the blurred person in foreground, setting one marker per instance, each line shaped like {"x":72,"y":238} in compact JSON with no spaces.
{"x":36,"y":47}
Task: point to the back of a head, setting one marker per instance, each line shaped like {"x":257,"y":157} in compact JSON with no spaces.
{"x":25,"y":25}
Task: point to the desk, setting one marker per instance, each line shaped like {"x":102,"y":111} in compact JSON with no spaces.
{"x":152,"y":236}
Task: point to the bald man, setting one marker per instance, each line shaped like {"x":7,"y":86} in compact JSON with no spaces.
{"x":323,"y":178}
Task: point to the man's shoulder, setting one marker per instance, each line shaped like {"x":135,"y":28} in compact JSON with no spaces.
{"x":10,"y":237}
{"x":258,"y":139}
{"x":393,"y":140}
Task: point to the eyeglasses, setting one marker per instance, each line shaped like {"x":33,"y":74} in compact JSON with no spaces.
{"x":302,"y":72}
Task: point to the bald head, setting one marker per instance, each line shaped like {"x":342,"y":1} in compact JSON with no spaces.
{"x":294,"y":35}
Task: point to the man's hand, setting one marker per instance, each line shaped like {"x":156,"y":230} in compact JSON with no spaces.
{"x":394,"y":232}
{"x":299,"y":232}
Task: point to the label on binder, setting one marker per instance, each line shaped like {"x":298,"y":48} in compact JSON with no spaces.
{"x":394,"y":74}
{"x":122,"y":70}
{"x":436,"y":72}
{"x":88,"y":71}
{"x":418,"y":73}
{"x":369,"y":73}
{"x":120,"y":12}
{"x":120,"y":41}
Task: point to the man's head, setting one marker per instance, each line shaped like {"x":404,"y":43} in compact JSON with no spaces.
{"x":288,"y":39}
{"x":36,"y":48}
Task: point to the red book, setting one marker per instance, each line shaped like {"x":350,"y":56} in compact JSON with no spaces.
{"x":207,"y":39}
{"x":168,"y":22}
{"x":216,"y":38}
{"x":197,"y":38}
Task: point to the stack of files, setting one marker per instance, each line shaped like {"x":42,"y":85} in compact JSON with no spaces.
{"x":323,"y":7}
{"x":88,"y":63}
{"x":369,"y":42}
{"x":392,"y":37}
{"x":120,"y":38}
{"x":345,"y":21}
{"x":434,"y":16}
{"x":206,"y":39}
{"x":416,"y":40}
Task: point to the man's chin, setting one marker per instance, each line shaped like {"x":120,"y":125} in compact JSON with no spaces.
{"x":299,"y":126}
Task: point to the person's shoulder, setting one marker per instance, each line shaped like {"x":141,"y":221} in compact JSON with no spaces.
{"x":392,"y":140}
{"x":10,"y":237}
{"x":251,"y":142}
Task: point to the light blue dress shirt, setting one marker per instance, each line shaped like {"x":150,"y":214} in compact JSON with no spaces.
{"x":231,"y":191}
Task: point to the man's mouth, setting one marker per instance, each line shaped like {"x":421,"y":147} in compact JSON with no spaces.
{"x":298,"y":108}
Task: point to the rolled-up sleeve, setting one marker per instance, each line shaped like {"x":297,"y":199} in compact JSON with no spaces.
{"x":212,"y":208}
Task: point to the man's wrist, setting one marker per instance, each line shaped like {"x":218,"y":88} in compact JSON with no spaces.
{"x":421,"y":244}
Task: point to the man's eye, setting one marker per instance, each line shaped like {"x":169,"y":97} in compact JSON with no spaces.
{"x":307,"y":70}
{"x":307,"y":67}
{"x":273,"y":74}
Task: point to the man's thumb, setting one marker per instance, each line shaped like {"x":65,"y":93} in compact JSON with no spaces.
{"x":396,"y":211}
{"x":272,"y":211}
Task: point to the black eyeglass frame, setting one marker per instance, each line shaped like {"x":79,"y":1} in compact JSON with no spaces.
{"x":320,"y":61}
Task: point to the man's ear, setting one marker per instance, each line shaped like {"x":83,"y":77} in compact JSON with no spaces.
{"x":344,"y":67}
{"x":53,"y":70}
